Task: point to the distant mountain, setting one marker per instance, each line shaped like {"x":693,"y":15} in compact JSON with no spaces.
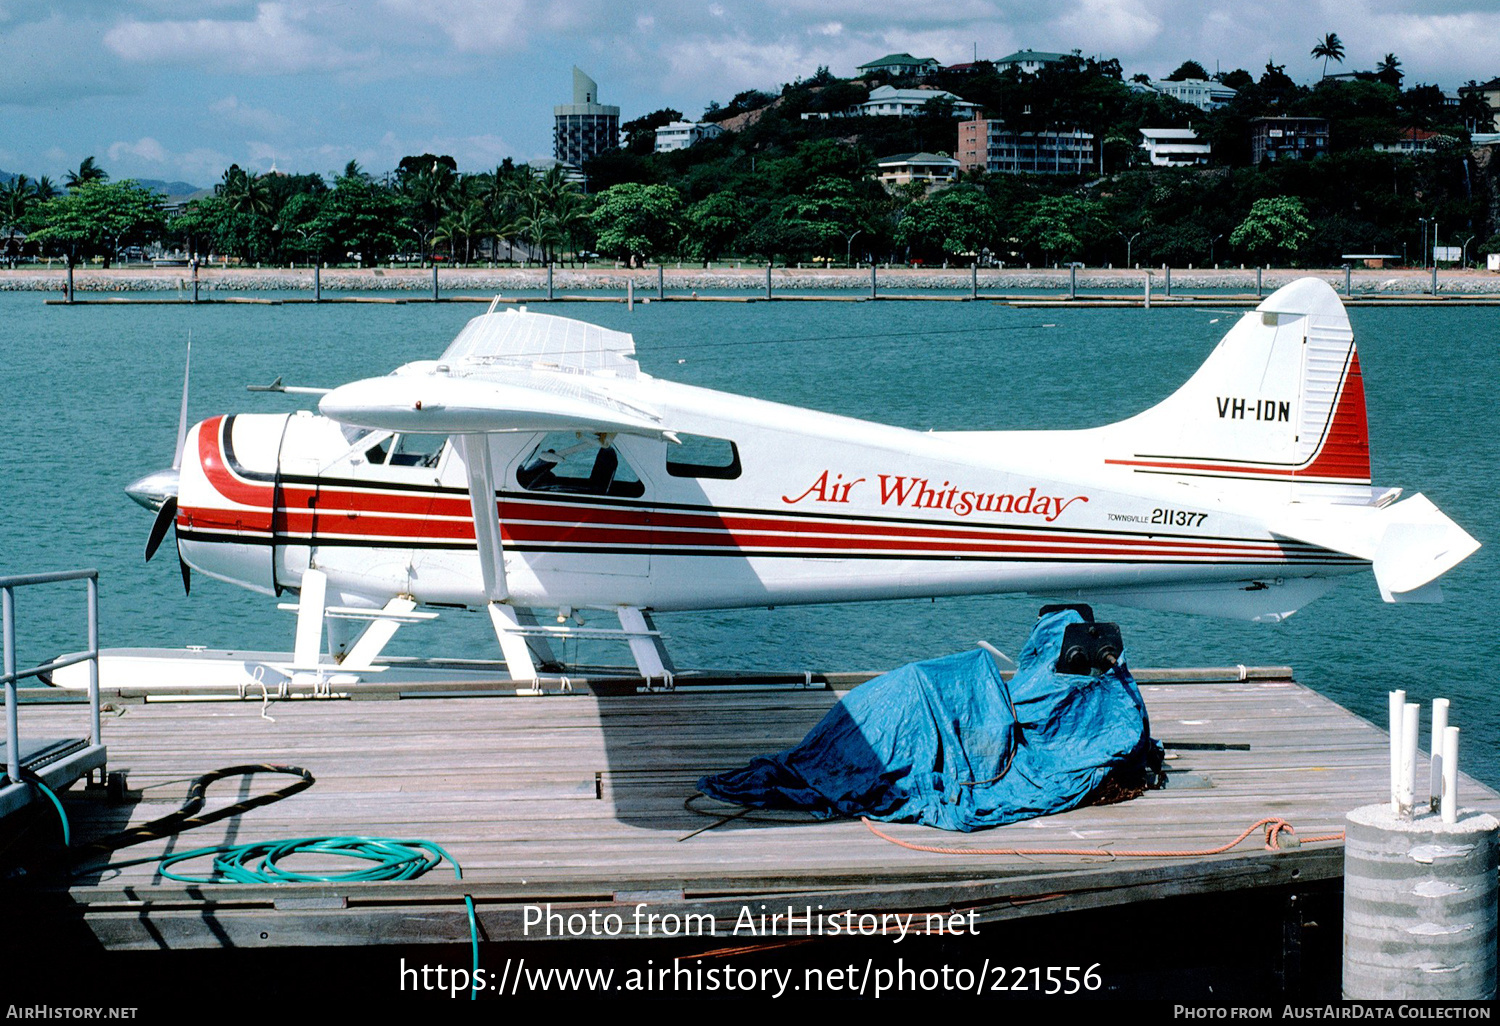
{"x":165,"y":188}
{"x":170,"y":188}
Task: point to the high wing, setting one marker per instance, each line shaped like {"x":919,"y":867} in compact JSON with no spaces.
{"x":510,"y":371}
{"x":514,"y":371}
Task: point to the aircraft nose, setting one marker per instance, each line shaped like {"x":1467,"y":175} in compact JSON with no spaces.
{"x":154,"y":489}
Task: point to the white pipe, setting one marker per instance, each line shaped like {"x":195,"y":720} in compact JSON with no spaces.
{"x":1411,"y":715}
{"x":1450,"y":775}
{"x":1435,"y":781}
{"x":1398,"y":700}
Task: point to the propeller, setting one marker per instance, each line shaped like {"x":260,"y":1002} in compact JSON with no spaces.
{"x":158,"y":490}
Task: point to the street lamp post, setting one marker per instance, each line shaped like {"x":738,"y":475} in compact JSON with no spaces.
{"x":1465,"y":254}
{"x":1211,"y":243}
{"x":1424,"y":242}
{"x":1129,"y":241}
{"x":849,"y":247}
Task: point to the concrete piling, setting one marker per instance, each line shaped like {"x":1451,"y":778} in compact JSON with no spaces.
{"x":1419,"y":906}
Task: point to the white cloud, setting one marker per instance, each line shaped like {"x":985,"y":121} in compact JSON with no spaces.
{"x":276,"y":41}
{"x":57,"y":59}
{"x":148,"y":158}
{"x":1109,"y":27}
{"x":265,"y":121}
{"x":145,"y":148}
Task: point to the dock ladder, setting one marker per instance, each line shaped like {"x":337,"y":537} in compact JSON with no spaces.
{"x":57,"y":762}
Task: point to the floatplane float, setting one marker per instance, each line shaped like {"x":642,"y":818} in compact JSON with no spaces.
{"x":533,"y":471}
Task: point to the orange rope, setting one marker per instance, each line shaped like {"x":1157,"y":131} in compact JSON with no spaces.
{"x":1275,"y":826}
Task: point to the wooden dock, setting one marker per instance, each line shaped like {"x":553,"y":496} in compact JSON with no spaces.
{"x":582,"y":801}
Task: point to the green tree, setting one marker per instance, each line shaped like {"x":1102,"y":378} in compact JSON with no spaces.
{"x":365,"y":218}
{"x":828,"y":213}
{"x":715,"y":222}
{"x":461,"y":227}
{"x":640,"y":134}
{"x":1058,"y":225}
{"x":1187,"y":70}
{"x":18,"y":200}
{"x":636,"y":222}
{"x":954,"y":222}
{"x":1275,"y":226}
{"x":552,"y":211}
{"x":97,"y":218}
{"x":431,"y":186}
{"x":1473,"y":110}
{"x":300,"y":226}
{"x":1330,"y":47}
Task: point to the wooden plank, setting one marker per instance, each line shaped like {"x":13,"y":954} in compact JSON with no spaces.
{"x":577,"y":798}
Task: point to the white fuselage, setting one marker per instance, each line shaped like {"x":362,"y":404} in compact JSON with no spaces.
{"x":803,"y":507}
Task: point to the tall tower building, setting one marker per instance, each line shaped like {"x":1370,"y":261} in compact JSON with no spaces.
{"x":585,"y":127}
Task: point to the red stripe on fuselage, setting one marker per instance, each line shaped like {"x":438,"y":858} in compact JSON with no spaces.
{"x":351,"y":512}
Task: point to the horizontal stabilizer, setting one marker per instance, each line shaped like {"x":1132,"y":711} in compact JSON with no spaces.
{"x":1410,"y":544}
{"x":1418,"y":548}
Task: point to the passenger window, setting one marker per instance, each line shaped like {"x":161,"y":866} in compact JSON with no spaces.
{"x":578,"y":464}
{"x":700,"y":456}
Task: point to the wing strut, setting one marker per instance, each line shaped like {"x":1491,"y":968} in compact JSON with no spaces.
{"x":474,"y":450}
{"x":521,"y":652}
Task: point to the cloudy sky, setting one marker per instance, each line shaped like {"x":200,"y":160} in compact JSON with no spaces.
{"x":179,"y":89}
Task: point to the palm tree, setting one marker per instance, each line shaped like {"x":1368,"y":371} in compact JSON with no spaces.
{"x":1330,"y":47}
{"x":461,"y":224}
{"x":1389,"y":71}
{"x":503,"y":199}
{"x":245,"y":193}
{"x":16,"y":199}
{"x":87,"y":172}
{"x":432,"y":192}
{"x":44,"y":189}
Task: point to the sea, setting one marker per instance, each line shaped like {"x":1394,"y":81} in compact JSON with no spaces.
{"x":91,"y":397}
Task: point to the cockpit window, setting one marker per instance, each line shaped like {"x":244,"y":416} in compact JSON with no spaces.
{"x":701,"y":456}
{"x":578,"y":464}
{"x":416,"y":450}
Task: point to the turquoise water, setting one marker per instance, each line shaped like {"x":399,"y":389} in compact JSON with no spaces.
{"x":91,"y":395}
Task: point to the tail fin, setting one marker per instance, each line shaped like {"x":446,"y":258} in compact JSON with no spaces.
{"x":1279,"y":401}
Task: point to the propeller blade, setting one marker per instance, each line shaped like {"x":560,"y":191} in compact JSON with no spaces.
{"x":182,"y":421}
{"x":164,"y":519}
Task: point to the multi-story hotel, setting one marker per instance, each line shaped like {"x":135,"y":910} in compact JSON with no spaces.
{"x":584,"y":128}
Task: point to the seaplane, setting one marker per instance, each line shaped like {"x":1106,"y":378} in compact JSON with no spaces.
{"x":533,"y":471}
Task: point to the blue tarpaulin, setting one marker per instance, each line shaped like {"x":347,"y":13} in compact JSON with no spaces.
{"x":947,"y":742}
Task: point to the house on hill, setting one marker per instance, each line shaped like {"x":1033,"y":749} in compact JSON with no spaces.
{"x":932,"y":169}
{"x":888,"y":101}
{"x":900,"y":65}
{"x":1196,"y":92}
{"x":1029,"y":61}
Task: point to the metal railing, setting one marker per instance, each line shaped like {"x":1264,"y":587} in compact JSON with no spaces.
{"x":10,"y":676}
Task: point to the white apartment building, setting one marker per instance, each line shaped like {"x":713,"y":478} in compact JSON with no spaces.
{"x":679,"y":135}
{"x":1174,"y":147}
